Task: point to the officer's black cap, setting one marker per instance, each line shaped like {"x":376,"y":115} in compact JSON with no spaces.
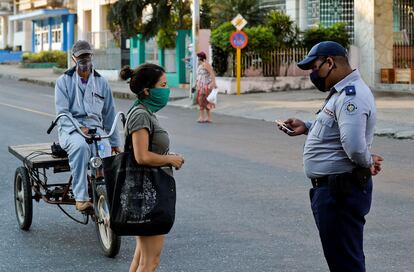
{"x":322,"y":49}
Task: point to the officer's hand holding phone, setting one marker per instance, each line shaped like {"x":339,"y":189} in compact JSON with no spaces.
{"x":292,"y":127}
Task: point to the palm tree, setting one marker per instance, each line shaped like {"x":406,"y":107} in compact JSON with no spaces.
{"x":225,"y":10}
{"x":147,"y":17}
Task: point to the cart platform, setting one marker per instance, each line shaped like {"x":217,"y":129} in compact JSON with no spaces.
{"x":39,"y":156}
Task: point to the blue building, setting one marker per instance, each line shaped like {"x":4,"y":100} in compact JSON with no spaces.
{"x":53,"y":23}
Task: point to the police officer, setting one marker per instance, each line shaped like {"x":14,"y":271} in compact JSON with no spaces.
{"x":85,"y":95}
{"x":337,"y":157}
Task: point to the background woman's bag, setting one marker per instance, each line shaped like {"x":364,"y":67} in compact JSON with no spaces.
{"x":212,"y":97}
{"x":141,"y":198}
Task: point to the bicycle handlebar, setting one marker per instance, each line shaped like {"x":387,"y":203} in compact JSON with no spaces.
{"x":118,"y":115}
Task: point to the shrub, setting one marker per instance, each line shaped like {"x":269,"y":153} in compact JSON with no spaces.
{"x":166,"y":38}
{"x":283,"y":28}
{"x":337,"y":33}
{"x":219,"y":60}
{"x":58,"y":57}
{"x":220,"y":37}
{"x":260,"y":38}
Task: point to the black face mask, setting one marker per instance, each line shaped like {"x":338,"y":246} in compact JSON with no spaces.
{"x":319,"y":81}
{"x":84,"y":65}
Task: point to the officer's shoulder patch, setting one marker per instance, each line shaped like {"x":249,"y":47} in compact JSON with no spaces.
{"x":350,"y":90}
{"x":351,"y":107}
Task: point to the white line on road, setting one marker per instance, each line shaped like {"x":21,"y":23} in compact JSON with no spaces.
{"x":26,"y":109}
{"x":161,"y":116}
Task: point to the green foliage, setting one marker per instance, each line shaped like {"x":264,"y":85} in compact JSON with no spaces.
{"x":261,"y":39}
{"x":337,"y":32}
{"x":220,"y":37}
{"x":205,"y":15}
{"x":58,"y":57}
{"x":166,"y":38}
{"x":225,"y":10}
{"x":219,"y":60}
{"x":126,"y":17}
{"x":283,"y":28}
{"x":8,"y":48}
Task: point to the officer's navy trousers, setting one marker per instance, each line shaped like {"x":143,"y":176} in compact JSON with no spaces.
{"x":340,"y":221}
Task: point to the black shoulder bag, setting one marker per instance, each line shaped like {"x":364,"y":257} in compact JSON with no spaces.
{"x":141,"y":198}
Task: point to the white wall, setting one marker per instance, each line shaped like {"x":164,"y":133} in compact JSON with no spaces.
{"x":374,"y":37}
{"x":296,"y":9}
{"x":97,"y":24}
{"x":4,"y":31}
{"x":24,"y":38}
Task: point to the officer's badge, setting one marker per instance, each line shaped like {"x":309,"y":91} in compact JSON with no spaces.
{"x":350,"y":108}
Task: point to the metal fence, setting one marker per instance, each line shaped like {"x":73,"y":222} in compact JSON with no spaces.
{"x":101,"y":39}
{"x":279,"y":62}
{"x":107,"y":55}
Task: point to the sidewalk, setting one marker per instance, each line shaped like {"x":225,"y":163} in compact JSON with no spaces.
{"x":395,"y":111}
{"x":46,"y":77}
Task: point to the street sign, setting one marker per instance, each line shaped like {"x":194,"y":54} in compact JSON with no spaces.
{"x":239,"y":39}
{"x":239,"y":22}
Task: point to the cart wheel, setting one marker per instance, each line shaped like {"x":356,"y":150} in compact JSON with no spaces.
{"x":110,"y":242}
{"x":23,"y":198}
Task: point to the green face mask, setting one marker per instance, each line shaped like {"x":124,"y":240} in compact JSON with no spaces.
{"x":157,"y":99}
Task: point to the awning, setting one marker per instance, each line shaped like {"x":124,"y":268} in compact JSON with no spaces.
{"x":39,"y":14}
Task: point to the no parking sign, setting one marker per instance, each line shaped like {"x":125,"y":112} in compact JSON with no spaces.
{"x":239,"y":39}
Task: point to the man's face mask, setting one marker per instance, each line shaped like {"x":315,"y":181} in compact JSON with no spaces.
{"x":84,"y":64}
{"x":319,"y":81}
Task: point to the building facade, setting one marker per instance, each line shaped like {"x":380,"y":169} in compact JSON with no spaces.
{"x":93,"y":27}
{"x":6,"y":9}
{"x":43,"y":25}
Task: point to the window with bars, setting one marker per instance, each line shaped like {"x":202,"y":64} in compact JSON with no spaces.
{"x":313,"y":12}
{"x":335,"y":11}
{"x":403,"y":25}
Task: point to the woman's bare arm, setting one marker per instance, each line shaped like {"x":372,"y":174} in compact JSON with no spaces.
{"x":140,"y":143}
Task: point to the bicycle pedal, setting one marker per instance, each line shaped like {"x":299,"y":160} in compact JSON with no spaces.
{"x":88,"y":211}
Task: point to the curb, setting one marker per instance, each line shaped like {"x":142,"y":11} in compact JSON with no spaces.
{"x":116,"y":94}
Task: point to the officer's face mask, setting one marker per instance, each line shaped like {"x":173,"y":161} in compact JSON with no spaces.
{"x":319,"y":81}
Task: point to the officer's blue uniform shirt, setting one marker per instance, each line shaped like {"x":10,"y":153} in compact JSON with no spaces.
{"x":341,"y":137}
{"x":91,"y":104}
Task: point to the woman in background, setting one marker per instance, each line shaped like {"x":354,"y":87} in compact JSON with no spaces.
{"x":205,"y":82}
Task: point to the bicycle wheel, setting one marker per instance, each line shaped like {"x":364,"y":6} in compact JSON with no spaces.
{"x":110,"y":242}
{"x":23,"y":201}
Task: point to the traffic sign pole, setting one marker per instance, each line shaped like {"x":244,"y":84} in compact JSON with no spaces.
{"x":239,"y":41}
{"x":238,"y":66}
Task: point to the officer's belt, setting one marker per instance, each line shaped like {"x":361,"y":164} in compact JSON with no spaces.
{"x":359,"y":176}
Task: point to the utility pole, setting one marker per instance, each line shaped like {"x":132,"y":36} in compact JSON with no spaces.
{"x":195,"y":29}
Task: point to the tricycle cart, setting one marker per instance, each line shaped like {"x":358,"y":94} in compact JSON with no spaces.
{"x":31,"y":182}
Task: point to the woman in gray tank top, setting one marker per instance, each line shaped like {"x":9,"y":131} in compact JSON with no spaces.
{"x":149,"y":83}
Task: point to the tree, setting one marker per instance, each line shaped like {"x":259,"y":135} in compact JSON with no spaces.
{"x":205,"y":15}
{"x":284,"y":29}
{"x":225,"y":10}
{"x":147,"y":17}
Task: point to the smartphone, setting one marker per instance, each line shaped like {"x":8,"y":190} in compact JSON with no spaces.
{"x":284,"y":127}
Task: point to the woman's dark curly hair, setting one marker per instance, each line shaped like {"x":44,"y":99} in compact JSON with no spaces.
{"x":144,"y":76}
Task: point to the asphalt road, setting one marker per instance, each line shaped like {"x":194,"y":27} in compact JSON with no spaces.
{"x":242,"y":199}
